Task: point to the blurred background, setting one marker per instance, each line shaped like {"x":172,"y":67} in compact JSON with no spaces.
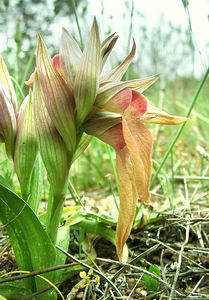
{"x":171,"y":36}
{"x":172,"y":39}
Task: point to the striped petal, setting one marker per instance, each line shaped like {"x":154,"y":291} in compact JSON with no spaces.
{"x":119,"y":102}
{"x":7,"y":82}
{"x":107,"y":46}
{"x":70,"y":55}
{"x":139,"y":143}
{"x":157,"y":116}
{"x":7,"y":120}
{"x":87,"y":78}
{"x":100,"y":122}
{"x":57,"y":97}
{"x":53,"y":150}
{"x":110,"y":89}
{"x":133,"y":144}
{"x":120,"y":70}
{"x":128,"y":200}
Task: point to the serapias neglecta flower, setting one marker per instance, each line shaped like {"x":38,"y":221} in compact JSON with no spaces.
{"x":80,"y":99}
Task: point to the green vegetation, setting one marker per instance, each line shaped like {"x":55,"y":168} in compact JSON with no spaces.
{"x":149,"y":283}
{"x":82,"y":212}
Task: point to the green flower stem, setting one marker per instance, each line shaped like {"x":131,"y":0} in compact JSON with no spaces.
{"x":53,"y":214}
{"x":127,"y":75}
{"x":28,"y":69}
{"x":18,"y":87}
{"x":180,"y":128}
{"x":77,"y":23}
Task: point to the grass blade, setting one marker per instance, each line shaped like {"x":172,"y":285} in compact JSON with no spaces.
{"x":180,"y":128}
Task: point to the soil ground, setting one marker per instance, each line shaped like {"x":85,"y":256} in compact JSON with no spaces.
{"x":177,"y":243}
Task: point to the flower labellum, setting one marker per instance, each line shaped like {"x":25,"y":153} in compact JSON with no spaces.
{"x":133,"y":144}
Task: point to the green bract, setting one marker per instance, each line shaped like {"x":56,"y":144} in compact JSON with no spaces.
{"x":53,"y":150}
{"x":57,"y":97}
{"x":26,"y":146}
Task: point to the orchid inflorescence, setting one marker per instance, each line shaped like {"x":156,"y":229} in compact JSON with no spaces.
{"x":71,"y":99}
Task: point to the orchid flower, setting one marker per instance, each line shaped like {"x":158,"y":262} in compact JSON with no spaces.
{"x":80,"y":99}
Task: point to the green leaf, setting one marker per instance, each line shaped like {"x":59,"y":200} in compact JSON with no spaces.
{"x":32,"y":246}
{"x":94,"y":227}
{"x":72,"y":215}
{"x":149,"y":283}
{"x":62,"y":241}
{"x":11,"y":292}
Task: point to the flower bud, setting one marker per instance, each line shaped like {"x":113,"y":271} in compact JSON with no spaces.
{"x":7,"y":82}
{"x":26,"y":146}
{"x":7,"y":120}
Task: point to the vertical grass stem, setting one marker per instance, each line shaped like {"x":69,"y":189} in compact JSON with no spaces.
{"x":77,"y":23}
{"x":180,"y":128}
{"x":130,"y":34}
